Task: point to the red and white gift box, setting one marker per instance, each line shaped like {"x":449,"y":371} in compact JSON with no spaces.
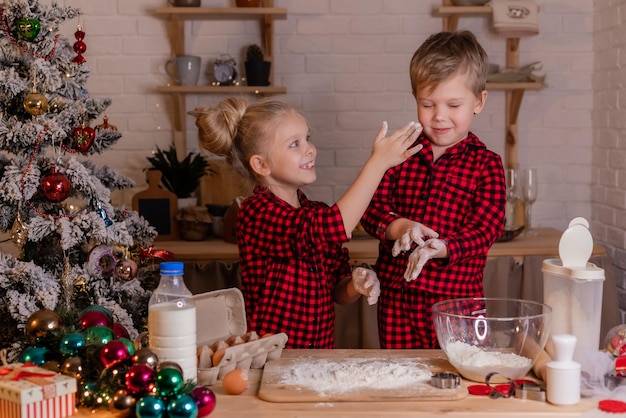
{"x":28,"y":391}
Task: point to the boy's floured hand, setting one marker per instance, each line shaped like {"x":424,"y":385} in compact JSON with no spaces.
{"x":365,"y":281}
{"x":415,"y":234}
{"x":433,"y":248}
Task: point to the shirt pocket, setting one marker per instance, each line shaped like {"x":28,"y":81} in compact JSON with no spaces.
{"x":455,"y":199}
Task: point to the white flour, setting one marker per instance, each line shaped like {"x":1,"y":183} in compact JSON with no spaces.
{"x":324,"y":376}
{"x":474,"y":363}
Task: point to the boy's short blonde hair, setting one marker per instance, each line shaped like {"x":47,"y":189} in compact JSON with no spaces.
{"x":445,"y":54}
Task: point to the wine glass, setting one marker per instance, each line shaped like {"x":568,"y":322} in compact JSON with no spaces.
{"x":529,"y":195}
{"x":512,"y":197}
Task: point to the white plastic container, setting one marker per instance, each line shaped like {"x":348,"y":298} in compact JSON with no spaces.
{"x":563,"y":373}
{"x":573,"y":288}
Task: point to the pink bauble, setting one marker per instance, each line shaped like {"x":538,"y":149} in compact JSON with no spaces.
{"x":114,"y":352}
{"x":205,"y":399}
{"x":140,"y":379}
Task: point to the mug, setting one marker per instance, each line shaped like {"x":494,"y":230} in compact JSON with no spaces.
{"x":187,"y":69}
{"x":184,"y":3}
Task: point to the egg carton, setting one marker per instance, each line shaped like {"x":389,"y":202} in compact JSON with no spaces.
{"x":221,"y":314}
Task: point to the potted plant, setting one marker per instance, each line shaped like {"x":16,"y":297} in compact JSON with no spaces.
{"x":257,"y":69}
{"x":180,"y":177}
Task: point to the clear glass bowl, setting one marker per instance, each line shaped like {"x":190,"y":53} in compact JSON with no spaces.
{"x":484,"y":335}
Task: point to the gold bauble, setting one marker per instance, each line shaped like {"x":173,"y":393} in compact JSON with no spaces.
{"x":41,"y":323}
{"x":19,"y":233}
{"x":36,"y":103}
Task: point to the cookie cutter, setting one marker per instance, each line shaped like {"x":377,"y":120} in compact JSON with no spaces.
{"x":445,"y":380}
{"x":531,"y":391}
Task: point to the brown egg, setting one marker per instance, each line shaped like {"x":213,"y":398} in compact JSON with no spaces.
{"x":235,"y":382}
{"x":250,"y":336}
{"x":269,"y":334}
{"x":217,"y":356}
{"x":218,"y":344}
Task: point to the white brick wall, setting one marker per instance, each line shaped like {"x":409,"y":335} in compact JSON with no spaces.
{"x":345,"y":63}
{"x":608,"y":170}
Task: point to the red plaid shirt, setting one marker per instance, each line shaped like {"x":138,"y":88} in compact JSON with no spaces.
{"x":291,"y":260}
{"x":461,"y":196}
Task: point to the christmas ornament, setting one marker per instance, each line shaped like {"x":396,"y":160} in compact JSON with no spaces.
{"x":35,"y":355}
{"x":79,"y":46}
{"x":98,"y":308}
{"x":28,"y":28}
{"x":119,"y":331}
{"x":101,"y":261}
{"x":83,"y":137}
{"x":92,"y":318}
{"x":35,"y":103}
{"x":168,"y":382}
{"x":15,"y":43}
{"x":169,"y":365}
{"x":102,"y":213}
{"x":182,"y":406}
{"x":55,"y":186}
{"x":98,"y":335}
{"x":150,"y":407}
{"x":114,"y":352}
{"x":19,"y":233}
{"x":205,"y":400}
{"x":73,"y":367}
{"x":129,"y":345}
{"x":147,"y":357}
{"x":140,"y":379}
{"x":122,"y":404}
{"x":41,"y":323}
{"x":126,"y":270}
{"x":105,"y":126}
{"x":52,"y":365}
{"x":71,"y":343}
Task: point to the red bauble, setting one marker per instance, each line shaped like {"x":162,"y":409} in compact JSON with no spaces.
{"x":92,"y":318}
{"x":139,"y":379}
{"x":79,"y":46}
{"x":83,"y":137}
{"x":54,"y":186}
{"x":114,"y":352}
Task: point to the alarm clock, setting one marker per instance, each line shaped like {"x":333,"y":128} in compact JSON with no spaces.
{"x":224,"y":70}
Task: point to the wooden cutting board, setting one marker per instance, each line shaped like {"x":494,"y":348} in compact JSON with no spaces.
{"x":279,"y":385}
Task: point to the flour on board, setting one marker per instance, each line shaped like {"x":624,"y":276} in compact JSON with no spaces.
{"x":325,"y":376}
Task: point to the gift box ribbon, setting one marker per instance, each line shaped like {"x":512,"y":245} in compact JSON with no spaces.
{"x":29,"y":372}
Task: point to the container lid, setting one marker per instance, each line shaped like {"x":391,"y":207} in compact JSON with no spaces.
{"x":589,"y":272}
{"x":219,"y":314}
{"x":172,"y":268}
{"x":576,"y":244}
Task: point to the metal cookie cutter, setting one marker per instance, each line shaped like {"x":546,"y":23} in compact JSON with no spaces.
{"x":445,"y":380}
{"x":531,"y":391}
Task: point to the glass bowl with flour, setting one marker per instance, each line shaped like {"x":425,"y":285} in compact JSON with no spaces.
{"x":492,"y":335}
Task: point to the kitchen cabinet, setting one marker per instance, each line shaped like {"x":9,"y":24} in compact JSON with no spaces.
{"x":177,"y":17}
{"x":514,"y":92}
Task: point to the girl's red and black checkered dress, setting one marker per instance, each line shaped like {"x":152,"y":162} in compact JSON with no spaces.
{"x":291,"y":260}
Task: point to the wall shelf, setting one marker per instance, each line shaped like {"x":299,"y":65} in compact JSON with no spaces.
{"x":514,"y":92}
{"x":177,"y":16}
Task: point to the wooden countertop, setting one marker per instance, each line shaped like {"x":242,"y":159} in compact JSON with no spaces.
{"x":249,"y":405}
{"x":365,"y":250}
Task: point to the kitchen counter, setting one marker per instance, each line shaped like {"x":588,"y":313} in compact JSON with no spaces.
{"x":249,"y":405}
{"x":365,"y":249}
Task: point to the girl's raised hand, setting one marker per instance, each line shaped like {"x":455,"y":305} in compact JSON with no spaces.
{"x":391,"y":150}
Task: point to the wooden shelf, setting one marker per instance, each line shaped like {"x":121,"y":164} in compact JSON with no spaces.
{"x":177,"y":17}
{"x":221,"y":12}
{"x":514,"y":91}
{"x":261,"y":90}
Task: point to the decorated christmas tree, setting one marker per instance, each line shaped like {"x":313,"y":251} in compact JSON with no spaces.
{"x":76,"y":250}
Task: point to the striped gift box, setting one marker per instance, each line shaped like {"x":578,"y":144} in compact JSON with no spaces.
{"x":32,"y":392}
